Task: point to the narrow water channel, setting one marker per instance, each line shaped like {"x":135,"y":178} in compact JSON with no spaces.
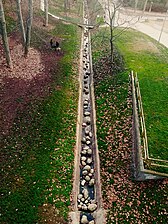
{"x":87,"y":187}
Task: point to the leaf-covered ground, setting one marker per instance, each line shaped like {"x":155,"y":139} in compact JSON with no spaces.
{"x":125,"y":200}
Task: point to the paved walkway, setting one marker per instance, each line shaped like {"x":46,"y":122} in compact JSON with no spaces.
{"x":152,"y":32}
{"x":134,"y":20}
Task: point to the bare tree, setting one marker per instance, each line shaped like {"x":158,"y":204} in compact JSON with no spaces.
{"x":4,"y":36}
{"x":111,"y":14}
{"x":26,"y":36}
{"x":114,"y":19}
{"x":46,"y":12}
{"x":20,"y":18}
{"x":29,"y":25}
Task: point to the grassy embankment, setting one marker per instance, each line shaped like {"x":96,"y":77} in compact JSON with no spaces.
{"x":150,"y":61}
{"x":38,"y":155}
{"x":128,"y":201}
{"x":71,"y":12}
{"x":95,"y":11}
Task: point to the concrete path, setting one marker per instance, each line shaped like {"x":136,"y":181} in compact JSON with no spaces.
{"x":127,"y":18}
{"x":152,"y":32}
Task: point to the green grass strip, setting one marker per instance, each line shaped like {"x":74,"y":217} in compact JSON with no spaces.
{"x":39,"y":154}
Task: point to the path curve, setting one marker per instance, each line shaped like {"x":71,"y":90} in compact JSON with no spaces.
{"x":140,"y":23}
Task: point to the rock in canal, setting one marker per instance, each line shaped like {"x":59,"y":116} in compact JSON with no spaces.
{"x":90,"y":134}
{"x":88,"y":142}
{"x":92,"y":207}
{"x":87,"y":119}
{"x":83,"y":158}
{"x":85,"y":193}
{"x":89,"y":151}
{"x":86,"y":148}
{"x":92,"y":182}
{"x":87,"y":167}
{"x":92,"y":170}
{"x":87,"y":178}
{"x":84,"y":219}
{"x":83,"y":140}
{"x":84,"y":152}
{"x":83,"y":163}
{"x":89,"y":161}
{"x":79,"y":206}
{"x":88,"y":128}
{"x":80,"y":196}
{"x":84,"y":172}
{"x":87,"y":138}
{"x":83,"y":182}
{"x":84,"y":207}
{"x":92,"y":222}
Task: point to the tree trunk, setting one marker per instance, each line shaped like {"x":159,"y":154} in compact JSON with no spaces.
{"x":144,"y":8}
{"x":4,"y":36}
{"x":20,"y":18}
{"x":136,"y":4}
{"x":111,"y":41}
{"x":166,"y":5}
{"x":65,"y":5}
{"x":29,"y":24}
{"x":46,"y":12}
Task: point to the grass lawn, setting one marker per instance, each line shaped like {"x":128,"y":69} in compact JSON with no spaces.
{"x":126,"y":201}
{"x":37,"y":157}
{"x":150,"y":61}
